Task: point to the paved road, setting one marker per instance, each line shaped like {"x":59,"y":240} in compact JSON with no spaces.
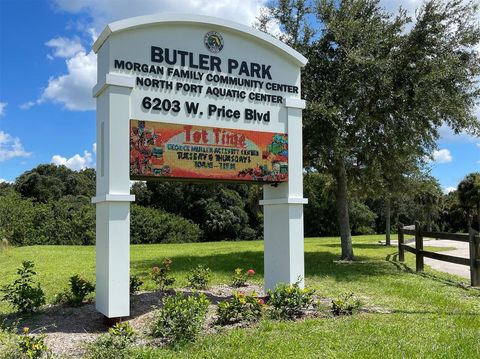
{"x":461,"y":250}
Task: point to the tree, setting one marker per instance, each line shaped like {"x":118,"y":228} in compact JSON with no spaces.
{"x":469,"y":196}
{"x":376,"y":92}
{"x":452,"y":215}
{"x":219,"y":209}
{"x":428,"y":195}
{"x":50,"y":182}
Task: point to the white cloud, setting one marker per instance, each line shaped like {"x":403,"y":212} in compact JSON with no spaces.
{"x":94,"y":148}
{"x":449,"y":189}
{"x":74,"y":89}
{"x":65,"y":47}
{"x":442,"y":156}
{"x":11,"y":147}
{"x":2,"y":108}
{"x":104,"y":11}
{"x":28,"y":104}
{"x":76,"y":162}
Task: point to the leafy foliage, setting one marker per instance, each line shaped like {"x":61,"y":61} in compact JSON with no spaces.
{"x":241,"y":308}
{"x":469,"y":196}
{"x":377,"y":92}
{"x":150,"y":225}
{"x":113,"y":345}
{"x":23,"y":294}
{"x":80,"y":288}
{"x":219,"y":209}
{"x":346,"y":304}
{"x":180,"y":318}
{"x":135,"y":283}
{"x":199,"y":277}
{"x":289,"y":301}
{"x":33,"y":346}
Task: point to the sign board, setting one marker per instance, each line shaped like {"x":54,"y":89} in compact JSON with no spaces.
{"x":196,"y":98}
{"x":173,"y":151}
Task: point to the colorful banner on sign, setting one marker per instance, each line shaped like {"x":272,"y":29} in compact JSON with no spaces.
{"x":173,"y":151}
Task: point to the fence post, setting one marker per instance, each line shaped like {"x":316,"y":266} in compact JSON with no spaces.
{"x":474,"y":257}
{"x":401,"y":242}
{"x":418,"y":247}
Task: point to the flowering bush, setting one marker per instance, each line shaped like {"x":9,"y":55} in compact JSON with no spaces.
{"x":22,"y":293}
{"x":240,"y":277}
{"x":289,"y":301}
{"x":33,"y":346}
{"x":346,"y":304}
{"x":181,"y":318}
{"x":199,"y":277}
{"x":241,"y":308}
{"x":161,"y":276}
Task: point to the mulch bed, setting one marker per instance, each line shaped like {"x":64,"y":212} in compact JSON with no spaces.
{"x":68,"y":329}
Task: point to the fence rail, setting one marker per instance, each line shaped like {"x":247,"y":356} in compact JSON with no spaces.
{"x":472,"y":238}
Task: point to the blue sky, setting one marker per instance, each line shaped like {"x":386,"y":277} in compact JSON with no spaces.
{"x":47,"y":71}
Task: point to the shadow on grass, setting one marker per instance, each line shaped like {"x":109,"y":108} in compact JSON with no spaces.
{"x":434,"y":312}
{"x":357,"y":245}
{"x":318,"y":263}
{"x":402,"y":266}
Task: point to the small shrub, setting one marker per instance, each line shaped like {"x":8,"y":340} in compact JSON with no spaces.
{"x":181,"y":318}
{"x":346,"y":304}
{"x":122,"y":335}
{"x":241,"y":308}
{"x":33,"y":346}
{"x":22,"y":294}
{"x":62,"y":297}
{"x":199,"y":277}
{"x":135,"y":284}
{"x":161,"y":276}
{"x":289,"y":301}
{"x":80,"y":288}
{"x":113,"y":345}
{"x":240,"y":277}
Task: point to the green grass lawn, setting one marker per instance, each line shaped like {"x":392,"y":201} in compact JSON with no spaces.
{"x":433,"y":315}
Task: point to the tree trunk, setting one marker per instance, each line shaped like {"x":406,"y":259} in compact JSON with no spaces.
{"x":478,"y":216}
{"x":388,"y":206}
{"x":342,"y":211}
{"x":429,"y":219}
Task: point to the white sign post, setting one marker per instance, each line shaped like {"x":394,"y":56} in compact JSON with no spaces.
{"x":155,"y":68}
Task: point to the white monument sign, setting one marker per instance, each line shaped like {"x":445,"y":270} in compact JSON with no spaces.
{"x":196,"y":98}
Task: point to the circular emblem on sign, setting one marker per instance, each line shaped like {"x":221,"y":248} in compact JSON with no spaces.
{"x":213,"y":41}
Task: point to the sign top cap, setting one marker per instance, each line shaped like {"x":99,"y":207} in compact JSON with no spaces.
{"x":151,"y":20}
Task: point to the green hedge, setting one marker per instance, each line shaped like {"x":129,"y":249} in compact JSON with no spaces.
{"x":71,"y":221}
{"x":150,"y":225}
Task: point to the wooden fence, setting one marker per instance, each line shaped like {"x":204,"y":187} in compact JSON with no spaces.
{"x":472,"y":238}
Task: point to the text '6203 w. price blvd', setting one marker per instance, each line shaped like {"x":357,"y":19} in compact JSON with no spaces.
{"x":192,"y":108}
